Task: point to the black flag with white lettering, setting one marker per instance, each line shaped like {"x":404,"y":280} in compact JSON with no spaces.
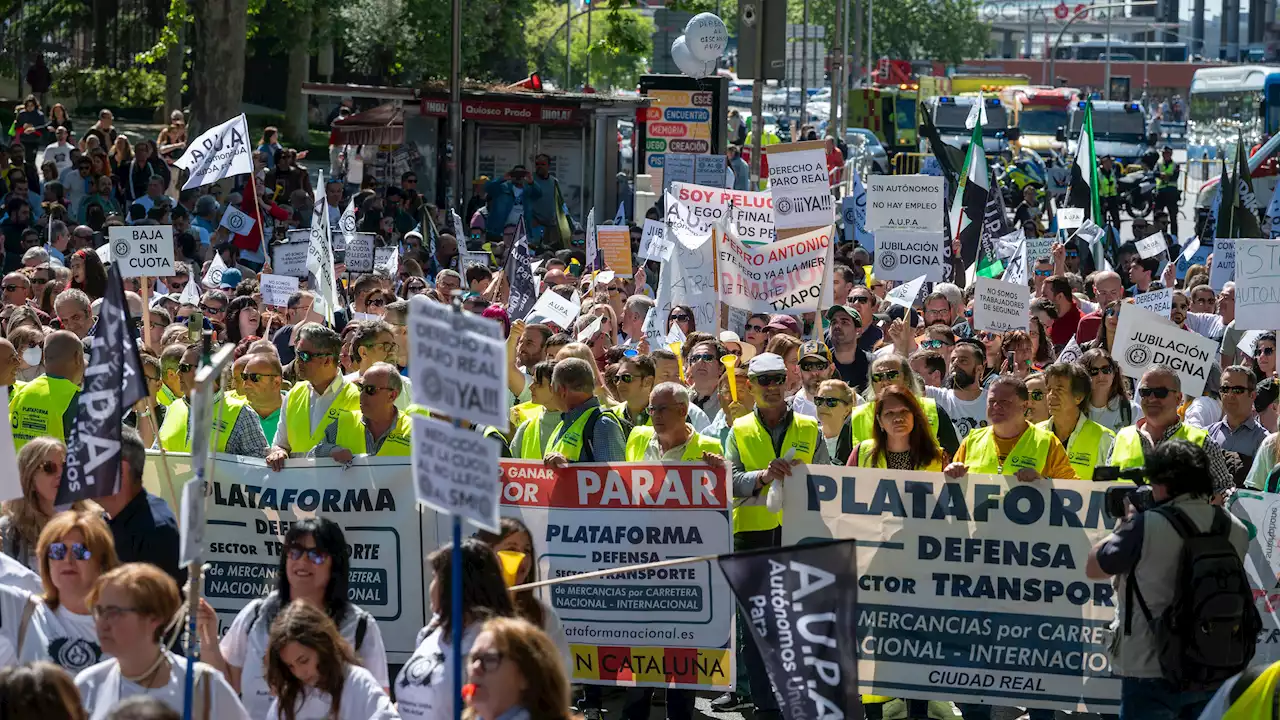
{"x":802,"y":603}
{"x":523,"y":289}
{"x":113,"y":382}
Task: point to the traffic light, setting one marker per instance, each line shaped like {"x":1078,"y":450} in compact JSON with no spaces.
{"x":533,"y":82}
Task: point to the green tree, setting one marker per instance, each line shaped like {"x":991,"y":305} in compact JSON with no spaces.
{"x":621,"y":42}
{"x":945,"y":30}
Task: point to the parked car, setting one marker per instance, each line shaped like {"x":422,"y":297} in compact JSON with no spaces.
{"x":871,"y":146}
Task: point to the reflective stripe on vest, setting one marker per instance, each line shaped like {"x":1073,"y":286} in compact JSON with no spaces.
{"x":755,"y":449}
{"x":1082,"y":450}
{"x":1032,"y":451}
{"x":641,"y":437}
{"x":1106,"y":184}
{"x":867,"y":451}
{"x":298,"y":415}
{"x":174,"y":434}
{"x":862,"y":421}
{"x":569,"y":442}
{"x":1127,"y":452}
{"x":36,"y":409}
{"x":351,"y":432}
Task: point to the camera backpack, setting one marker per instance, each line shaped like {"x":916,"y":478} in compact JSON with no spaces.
{"x":1210,"y":630}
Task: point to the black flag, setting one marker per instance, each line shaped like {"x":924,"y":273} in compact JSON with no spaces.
{"x":113,"y":382}
{"x":523,"y":290}
{"x":802,"y":601}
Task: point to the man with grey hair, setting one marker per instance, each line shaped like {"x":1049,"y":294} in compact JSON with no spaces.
{"x":74,"y":311}
{"x":316,"y":401}
{"x":142,"y":524}
{"x":671,"y":437}
{"x":377,"y":428}
{"x":1107,"y":288}
{"x":634,"y":311}
{"x":35,"y":256}
{"x":1160,"y":393}
{"x":447,"y":281}
{"x":586,"y":432}
{"x":59,"y":238}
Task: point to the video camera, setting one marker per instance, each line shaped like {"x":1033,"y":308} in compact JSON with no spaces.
{"x":1140,"y":497}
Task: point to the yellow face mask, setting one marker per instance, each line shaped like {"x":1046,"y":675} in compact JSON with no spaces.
{"x":511,"y":561}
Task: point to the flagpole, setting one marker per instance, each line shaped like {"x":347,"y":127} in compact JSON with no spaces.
{"x":262,"y":221}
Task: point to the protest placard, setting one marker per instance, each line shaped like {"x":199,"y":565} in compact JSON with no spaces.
{"x":456,"y":471}
{"x":904,"y":255}
{"x":653,"y":242}
{"x":709,"y":170}
{"x":800,"y":186}
{"x":1144,"y":338}
{"x":906,"y":293}
{"x":387,"y":257}
{"x":1257,"y":284}
{"x":694,"y":209}
{"x":689,"y":278}
{"x":290,"y":258}
{"x":221,"y":151}
{"x":1223,"y":269}
{"x":1038,"y":248}
{"x":654,"y":512}
{"x":1193,"y":253}
{"x":276,"y":289}
{"x":999,"y":306}
{"x":1070,"y":218}
{"x":142,"y":250}
{"x":554,"y":308}
{"x":239,"y":223}
{"x":471,"y":258}
{"x":677,"y":167}
{"x":782,"y":277}
{"x":1151,"y":246}
{"x":455,"y":369}
{"x":904,"y":202}
{"x":1159,"y":302}
{"x":614,"y":242}
{"x":359,"y":256}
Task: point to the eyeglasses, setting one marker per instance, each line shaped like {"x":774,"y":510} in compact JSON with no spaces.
{"x":204,"y":307}
{"x":371,"y":390}
{"x":1105,"y":370}
{"x":1112,"y":312}
{"x":11,"y":288}
{"x":627,"y":378}
{"x":59,"y":550}
{"x":317,"y":557}
{"x":681,"y":317}
{"x":256,"y":377}
{"x":886,"y":375}
{"x":769,"y":380}
{"x":110,"y":613}
{"x":701,"y":358}
{"x":935,"y":344}
{"x":1263,"y":350}
{"x":488,"y":661}
{"x":185,"y":368}
{"x":814,"y":366}
{"x":755,"y":328}
{"x":376,"y":302}
{"x":861,"y":300}
{"x":1234,"y":389}
{"x":49,"y":467}
{"x":830,"y":402}
{"x":1158,"y":393}
{"x":1036,"y":395}
{"x":307,"y":357}
{"x":39,"y":280}
{"x":1043,"y":273}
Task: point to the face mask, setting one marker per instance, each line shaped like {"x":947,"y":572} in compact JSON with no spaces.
{"x":32,"y":356}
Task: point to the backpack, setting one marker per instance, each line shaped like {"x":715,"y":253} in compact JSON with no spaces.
{"x":1210,"y":630}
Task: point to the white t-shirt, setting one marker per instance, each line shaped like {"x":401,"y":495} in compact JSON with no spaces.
{"x":102,"y":687}
{"x":966,"y":415}
{"x":57,"y":636}
{"x":424,"y":687}
{"x":362,"y":699}
{"x":1110,"y":418}
{"x":246,"y":647}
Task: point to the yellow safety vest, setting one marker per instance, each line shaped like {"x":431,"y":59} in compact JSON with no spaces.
{"x":698,"y":443}
{"x":1259,"y":699}
{"x":524,"y":412}
{"x":165,"y":397}
{"x":569,"y":442}
{"x":298,"y":415}
{"x":1106,"y":184}
{"x":1162,"y":168}
{"x":1032,"y":451}
{"x":173,"y":431}
{"x":531,"y":442}
{"x":1127,"y":452}
{"x":867,"y":450}
{"x":1082,"y":450}
{"x":755,"y":449}
{"x":36,"y":409}
{"x":399,"y":442}
{"x":863,"y":420}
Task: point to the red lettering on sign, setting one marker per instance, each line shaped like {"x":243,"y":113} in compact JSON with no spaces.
{"x":661,"y":129}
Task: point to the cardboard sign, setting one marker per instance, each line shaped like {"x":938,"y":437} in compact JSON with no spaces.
{"x":1223,"y":269}
{"x":614,"y":242}
{"x":1159,"y":302}
{"x":290,"y":258}
{"x":456,"y":471}
{"x":1143,"y":339}
{"x":359,"y":256}
{"x":555,"y":308}
{"x":999,"y":306}
{"x":142,"y":250}
{"x":1257,"y":284}
{"x":1070,"y":218}
{"x":456,"y":370}
{"x":276,"y":289}
{"x":904,"y":202}
{"x":800,"y":185}
{"x":653,"y":243}
{"x":782,"y":277}
{"x":903,"y":255}
{"x":239,"y":223}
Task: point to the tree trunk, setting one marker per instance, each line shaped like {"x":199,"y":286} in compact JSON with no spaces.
{"x":217,"y":67}
{"x":295,"y":103}
{"x":100,"y":25}
{"x":173,"y":66}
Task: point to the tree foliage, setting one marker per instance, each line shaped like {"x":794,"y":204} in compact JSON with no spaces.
{"x":945,"y":30}
{"x":621,"y":43}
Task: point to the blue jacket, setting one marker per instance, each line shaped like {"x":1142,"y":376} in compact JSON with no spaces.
{"x":502,"y":198}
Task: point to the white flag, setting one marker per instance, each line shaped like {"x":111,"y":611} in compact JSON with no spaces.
{"x":239,"y":223}
{"x":1016,"y":273}
{"x":1193,"y":246}
{"x":620,"y":218}
{"x":391,"y":265}
{"x":459,"y":232}
{"x":213,"y":277}
{"x":1070,"y":352}
{"x":977,"y":114}
{"x":905,"y":294}
{"x":220,"y":152}
{"x":347,"y":224}
{"x":320,"y":260}
{"x":191,"y":293}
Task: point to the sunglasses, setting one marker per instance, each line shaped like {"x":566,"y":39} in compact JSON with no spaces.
{"x":769,"y":380}
{"x":830,"y":402}
{"x":1036,"y":395}
{"x":39,"y":280}
{"x":1234,"y":389}
{"x":1073,"y":254}
{"x":882,"y":376}
{"x":681,"y":317}
{"x":814,"y":366}
{"x":755,"y":328}
{"x":1112,"y":312}
{"x":1158,"y":393}
{"x":371,"y":390}
{"x":935,"y":344}
{"x":376,"y":302}
{"x":1266,"y":350}
{"x":1043,"y":273}
{"x":968,"y":313}
{"x":49,"y":467}
{"x":861,"y":300}
{"x":1104,"y":370}
{"x":58,"y":551}
{"x":11,"y":288}
{"x":256,"y":377}
{"x":317,"y":557}
{"x":626,"y":378}
{"x":307,"y":357}
{"x":185,"y":368}
{"x":701,"y":358}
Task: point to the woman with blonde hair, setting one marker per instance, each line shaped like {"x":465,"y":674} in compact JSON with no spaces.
{"x":513,"y":671}
{"x":132,"y":606}
{"x":39,"y":690}
{"x":29,"y":343}
{"x":22,"y":520}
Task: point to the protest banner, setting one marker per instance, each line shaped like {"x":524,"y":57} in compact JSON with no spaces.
{"x":970,"y":590}
{"x":457,"y":363}
{"x":800,"y":185}
{"x":1223,"y":269}
{"x":290,"y":257}
{"x":999,"y":306}
{"x":904,"y":255}
{"x":653,"y":242}
{"x":1151,"y":246}
{"x":359,"y":257}
{"x":142,"y":250}
{"x":695,"y":209}
{"x":276,"y":289}
{"x":219,"y":152}
{"x":904,"y":202}
{"x":1070,"y":218}
{"x":1193,"y":253}
{"x":782,"y":277}
{"x":663,"y":627}
{"x":1159,"y":302}
{"x":1257,"y":284}
{"x":555,"y":308}
{"x":239,"y":223}
{"x":387,"y":257}
{"x":614,"y":242}
{"x":250,"y":508}
{"x":457,"y":471}
{"x":689,"y":278}
{"x":906,"y":293}
{"x":1143,"y":339}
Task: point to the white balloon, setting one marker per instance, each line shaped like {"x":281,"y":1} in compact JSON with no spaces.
{"x":684,"y":59}
{"x":707,"y":36}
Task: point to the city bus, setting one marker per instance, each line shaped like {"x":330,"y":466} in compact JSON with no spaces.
{"x":1124,"y":51}
{"x":1226,"y":101}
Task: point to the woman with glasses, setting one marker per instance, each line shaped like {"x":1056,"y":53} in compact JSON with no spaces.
{"x":40,"y":473}
{"x":1088,"y":444}
{"x":901,"y":438}
{"x":1042,"y":350}
{"x":992,"y":344}
{"x":1107,"y":331}
{"x":424,"y":687}
{"x":313,"y":673}
{"x":314,"y":569}
{"x":513,"y":544}
{"x":1037,"y":399}
{"x":835,"y":402}
{"x":1263,"y":362}
{"x":243,"y":320}
{"x":56,"y":626}
{"x":1109,"y":402}
{"x":513,"y":674}
{"x":682,"y":315}
{"x":755,"y":334}
{"x":414,"y":285}
{"x":132,"y":608}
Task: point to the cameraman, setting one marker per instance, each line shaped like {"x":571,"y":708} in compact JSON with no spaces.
{"x":1142,"y":556}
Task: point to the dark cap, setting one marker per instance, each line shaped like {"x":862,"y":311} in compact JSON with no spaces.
{"x":836,"y":309}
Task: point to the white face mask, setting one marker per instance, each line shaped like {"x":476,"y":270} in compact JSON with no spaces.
{"x":32,"y":356}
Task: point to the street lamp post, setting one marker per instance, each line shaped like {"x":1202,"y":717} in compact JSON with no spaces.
{"x":1053,"y":51}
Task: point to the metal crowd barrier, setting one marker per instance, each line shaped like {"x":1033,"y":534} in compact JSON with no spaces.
{"x":1199,"y":171}
{"x":907,"y":163}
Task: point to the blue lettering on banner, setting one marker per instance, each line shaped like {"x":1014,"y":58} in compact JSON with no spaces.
{"x":695,"y":115}
{"x":627,"y":598}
